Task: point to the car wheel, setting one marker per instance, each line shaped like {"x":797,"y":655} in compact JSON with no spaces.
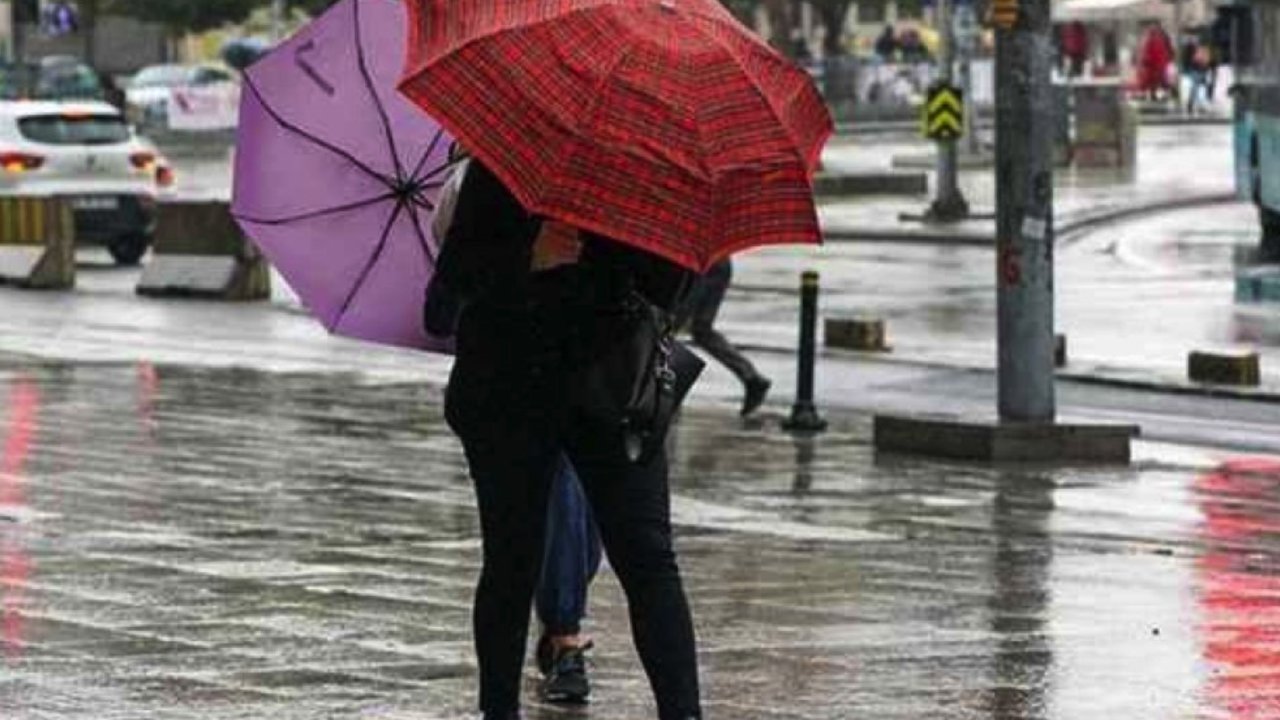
{"x":128,"y":249}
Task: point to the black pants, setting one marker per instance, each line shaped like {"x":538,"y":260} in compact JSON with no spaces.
{"x":704,"y":306}
{"x":508,"y":400}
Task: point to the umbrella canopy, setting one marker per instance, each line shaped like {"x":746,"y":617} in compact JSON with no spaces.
{"x":336,"y":174}
{"x":665,"y":124}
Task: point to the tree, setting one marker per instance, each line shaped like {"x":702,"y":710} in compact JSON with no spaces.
{"x":783,"y":16}
{"x":833,"y":14}
{"x":744,"y":10}
{"x":312,"y":7}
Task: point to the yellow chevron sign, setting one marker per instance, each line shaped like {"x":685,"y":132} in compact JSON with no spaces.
{"x":944,"y":112}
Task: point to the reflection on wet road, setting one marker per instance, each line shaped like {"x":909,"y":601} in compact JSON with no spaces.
{"x":183,"y":543}
{"x":1134,"y":295}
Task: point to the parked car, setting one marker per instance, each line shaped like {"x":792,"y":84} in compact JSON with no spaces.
{"x":148,"y":95}
{"x":85,"y":151}
{"x":53,"y":78}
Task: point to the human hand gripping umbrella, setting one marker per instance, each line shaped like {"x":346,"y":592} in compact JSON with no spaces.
{"x":664,"y":124}
{"x":337,"y":175}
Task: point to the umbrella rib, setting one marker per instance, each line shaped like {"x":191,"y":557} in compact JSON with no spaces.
{"x":316,"y":213}
{"x":369,"y":265}
{"x":422,"y":161}
{"x":253,"y":87}
{"x":422,"y":236}
{"x":377,"y":101}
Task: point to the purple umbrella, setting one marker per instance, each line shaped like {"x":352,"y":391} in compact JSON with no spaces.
{"x":336,"y":175}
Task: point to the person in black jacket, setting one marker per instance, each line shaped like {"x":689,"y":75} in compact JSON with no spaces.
{"x":523,"y":339}
{"x":702,"y":308}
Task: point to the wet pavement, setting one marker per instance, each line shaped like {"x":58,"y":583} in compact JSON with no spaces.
{"x":1133,"y":297}
{"x":1173,"y":162}
{"x":229,"y":543}
{"x":218,"y":511}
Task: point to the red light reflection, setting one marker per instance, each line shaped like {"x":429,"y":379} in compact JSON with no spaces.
{"x":15,"y":564}
{"x":1240,"y":587}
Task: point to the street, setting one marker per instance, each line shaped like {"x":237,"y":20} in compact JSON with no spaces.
{"x":217,"y":510}
{"x":180,"y":542}
{"x":217,"y":504}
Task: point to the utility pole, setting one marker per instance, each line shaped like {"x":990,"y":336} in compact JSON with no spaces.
{"x":949,"y":205}
{"x":1027,"y":429}
{"x":1024,"y":212}
{"x":17,"y":39}
{"x":277,"y":20}
{"x":967,"y":30}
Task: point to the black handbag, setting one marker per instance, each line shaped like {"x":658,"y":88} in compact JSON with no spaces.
{"x":638,"y":376}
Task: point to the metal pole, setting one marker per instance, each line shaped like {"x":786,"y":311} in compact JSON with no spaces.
{"x":277,"y":20}
{"x":804,"y":415}
{"x":18,"y":38}
{"x":1024,"y":216}
{"x":949,"y":203}
{"x":965,"y":12}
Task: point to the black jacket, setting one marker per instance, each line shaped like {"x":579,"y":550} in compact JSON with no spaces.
{"x":487,"y":253}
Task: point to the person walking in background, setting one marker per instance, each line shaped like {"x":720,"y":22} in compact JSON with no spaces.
{"x":912,"y":46}
{"x":703,"y":307}
{"x":1074,"y":39}
{"x":887,"y":45}
{"x":1195,"y":67}
{"x":1154,"y":56}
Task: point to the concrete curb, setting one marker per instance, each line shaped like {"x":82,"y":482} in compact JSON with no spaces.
{"x":1269,"y":395}
{"x":888,"y":182}
{"x":880,"y":127}
{"x":1067,"y":232}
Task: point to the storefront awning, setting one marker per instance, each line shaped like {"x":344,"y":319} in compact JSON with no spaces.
{"x":1104,"y":10}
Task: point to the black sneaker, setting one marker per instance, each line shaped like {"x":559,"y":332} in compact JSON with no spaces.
{"x":756,"y":390}
{"x":544,"y":654}
{"x":566,"y":682}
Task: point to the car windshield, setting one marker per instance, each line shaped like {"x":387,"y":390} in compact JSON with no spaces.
{"x":67,"y":82}
{"x":162,"y":76}
{"x":68,"y":129}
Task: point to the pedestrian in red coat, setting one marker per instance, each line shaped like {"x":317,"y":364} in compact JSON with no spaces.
{"x":1075,"y":47}
{"x":1153,"y":61}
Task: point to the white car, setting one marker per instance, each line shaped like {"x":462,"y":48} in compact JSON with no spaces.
{"x":85,"y":151}
{"x":149,"y":93}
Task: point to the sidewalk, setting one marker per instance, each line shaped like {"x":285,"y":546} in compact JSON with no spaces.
{"x":1174,"y":163}
{"x":194,"y":543}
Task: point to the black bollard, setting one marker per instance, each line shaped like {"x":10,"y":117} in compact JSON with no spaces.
{"x":804,"y":416}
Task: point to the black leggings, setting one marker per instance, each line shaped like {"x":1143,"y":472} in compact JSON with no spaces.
{"x":514,"y":421}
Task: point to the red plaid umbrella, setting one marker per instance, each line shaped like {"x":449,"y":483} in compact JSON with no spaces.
{"x":665,"y":124}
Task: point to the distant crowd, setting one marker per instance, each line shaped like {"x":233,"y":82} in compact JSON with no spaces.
{"x":1163,"y":69}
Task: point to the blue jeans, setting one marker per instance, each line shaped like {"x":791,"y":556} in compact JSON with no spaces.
{"x":571,"y":556}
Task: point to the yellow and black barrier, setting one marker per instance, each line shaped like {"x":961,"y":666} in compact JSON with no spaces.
{"x":199,"y":251}
{"x":857,"y":333}
{"x":37,"y":243}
